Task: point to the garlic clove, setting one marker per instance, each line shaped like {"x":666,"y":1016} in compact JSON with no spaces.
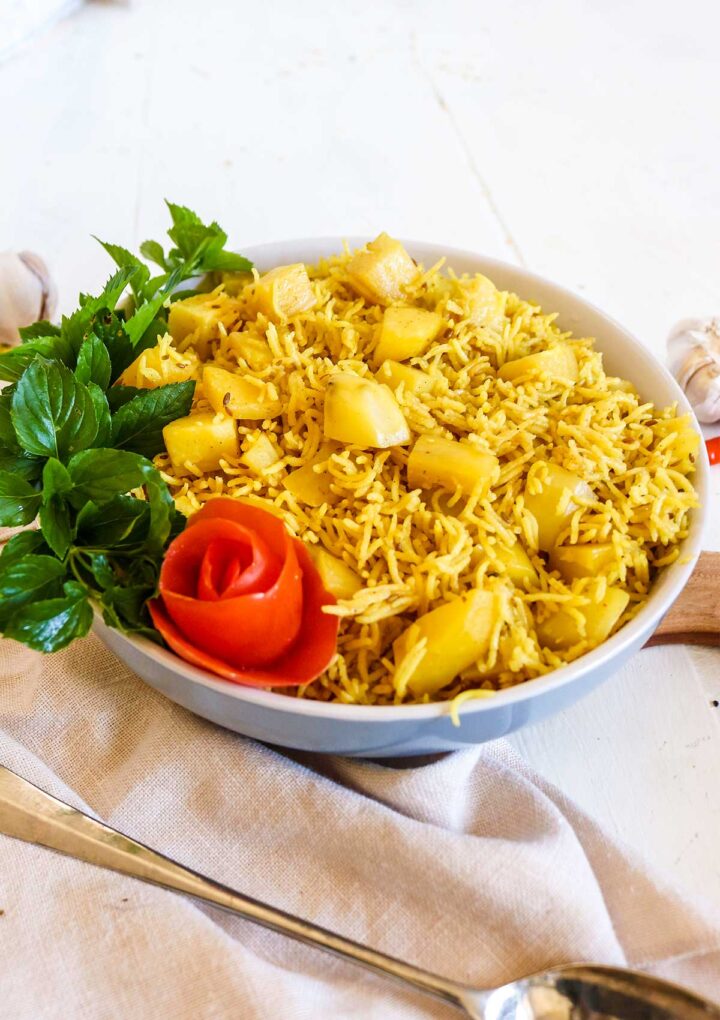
{"x":27,"y":293}
{"x":694,"y":359}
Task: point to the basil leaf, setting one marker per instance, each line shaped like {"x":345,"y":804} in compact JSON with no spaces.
{"x":36,"y":329}
{"x":125,"y":259}
{"x":56,"y":525}
{"x":52,"y":624}
{"x":154,"y":251}
{"x":19,"y":546}
{"x":19,"y":502}
{"x":20,"y":464}
{"x":162,"y":511}
{"x":56,"y":480}
{"x":8,"y":439}
{"x":100,"y":474}
{"x":93,"y":362}
{"x":53,"y":413}
{"x":102,"y":414}
{"x":24,"y":581}
{"x":121,"y":522}
{"x":102,"y":570}
{"x":138,"y":424}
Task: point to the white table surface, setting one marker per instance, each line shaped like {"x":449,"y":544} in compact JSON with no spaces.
{"x":576,"y":138}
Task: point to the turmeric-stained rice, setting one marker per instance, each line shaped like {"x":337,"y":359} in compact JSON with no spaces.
{"x":536,"y":459}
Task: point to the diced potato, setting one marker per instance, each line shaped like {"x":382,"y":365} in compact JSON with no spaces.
{"x":284,"y":291}
{"x":310,"y":486}
{"x":381,"y":271}
{"x":458,"y":633}
{"x":201,"y":439}
{"x":252,"y":349}
{"x":363,"y":412}
{"x":484,"y":301}
{"x":447,"y":463}
{"x":260,"y":454}
{"x":239,"y":396}
{"x":551,"y":508}
{"x":197,"y":315}
{"x":406,"y":333}
{"x":235,"y":283}
{"x":582,"y":560}
{"x":337,"y":577}
{"x":557,"y":362}
{"x":562,"y":629}
{"x":159,"y":366}
{"x":513,"y":562}
{"x":393,"y":374}
{"x":686,"y":440}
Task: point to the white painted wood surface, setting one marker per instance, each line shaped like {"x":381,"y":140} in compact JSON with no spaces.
{"x":577,"y":138}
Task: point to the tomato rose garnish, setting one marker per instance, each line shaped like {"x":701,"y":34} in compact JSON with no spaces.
{"x":239,"y":596}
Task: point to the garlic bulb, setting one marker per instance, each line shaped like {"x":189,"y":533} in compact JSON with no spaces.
{"x":694,"y":359}
{"x":27,"y":293}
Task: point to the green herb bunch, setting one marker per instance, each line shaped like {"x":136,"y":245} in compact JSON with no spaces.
{"x":74,"y":445}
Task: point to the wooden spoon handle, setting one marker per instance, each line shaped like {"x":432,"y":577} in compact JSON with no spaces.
{"x":694,"y":619}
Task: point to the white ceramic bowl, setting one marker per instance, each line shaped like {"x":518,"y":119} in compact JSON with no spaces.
{"x":425,"y":729}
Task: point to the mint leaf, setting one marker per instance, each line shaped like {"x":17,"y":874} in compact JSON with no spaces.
{"x":19,"y":502}
{"x":111,"y":331}
{"x":136,"y":325}
{"x":226,"y":261}
{"x":154,"y":251}
{"x":14,"y":362}
{"x":102,"y":414}
{"x":19,"y":546}
{"x":122,"y":521}
{"x":52,"y":413}
{"x":24,"y":581}
{"x":53,"y":623}
{"x":125,"y":259}
{"x":93,"y":362}
{"x":138,"y":424}
{"x":188,"y":231}
{"x":120,"y":395}
{"x":56,"y":525}
{"x":37,"y":329}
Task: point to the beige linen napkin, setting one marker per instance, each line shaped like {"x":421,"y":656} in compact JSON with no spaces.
{"x":472,"y":866}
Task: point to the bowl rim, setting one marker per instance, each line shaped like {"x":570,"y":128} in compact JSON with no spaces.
{"x":644,"y":623}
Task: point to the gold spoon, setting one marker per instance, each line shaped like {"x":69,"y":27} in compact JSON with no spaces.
{"x":577,"y":992}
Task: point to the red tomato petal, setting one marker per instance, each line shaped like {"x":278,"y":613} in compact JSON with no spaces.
{"x":308,"y":657}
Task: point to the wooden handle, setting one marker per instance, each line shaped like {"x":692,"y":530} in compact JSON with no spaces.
{"x":694,"y":619}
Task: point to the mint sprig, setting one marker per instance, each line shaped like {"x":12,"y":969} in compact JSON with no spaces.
{"x":74,"y":446}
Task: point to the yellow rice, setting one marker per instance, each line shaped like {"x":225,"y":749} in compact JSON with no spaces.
{"x":414,"y":552}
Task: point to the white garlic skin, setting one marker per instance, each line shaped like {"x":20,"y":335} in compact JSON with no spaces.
{"x":27,"y":293}
{"x":694,"y":359}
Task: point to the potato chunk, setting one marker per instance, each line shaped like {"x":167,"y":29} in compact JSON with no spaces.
{"x":159,"y":366}
{"x":310,"y":486}
{"x":394,"y":375}
{"x":484,"y":301}
{"x":557,"y":362}
{"x":406,"y":333}
{"x":363,"y":412}
{"x":284,"y":291}
{"x":513,"y":562}
{"x":252,"y":349}
{"x":195,"y":315}
{"x":562,"y":629}
{"x":457,"y":633}
{"x":582,"y":560}
{"x":260,"y":455}
{"x":202,"y":440}
{"x":447,"y":463}
{"x":336,"y":576}
{"x":381,"y":271}
{"x":238,"y":396}
{"x":553,"y":507}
